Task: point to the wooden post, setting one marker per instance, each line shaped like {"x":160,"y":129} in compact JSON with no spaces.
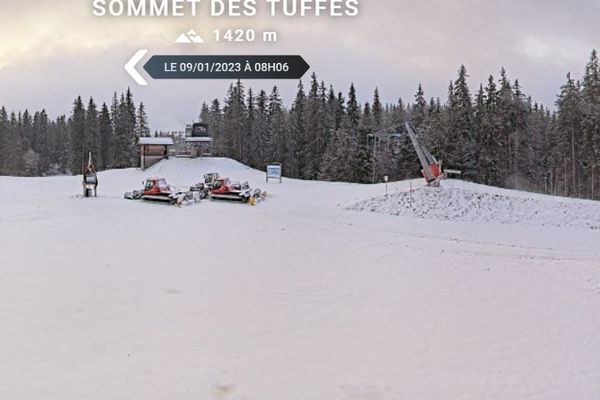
{"x":143,"y":161}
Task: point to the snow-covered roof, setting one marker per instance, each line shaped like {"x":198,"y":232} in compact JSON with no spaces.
{"x":201,"y":139}
{"x":162,"y":141}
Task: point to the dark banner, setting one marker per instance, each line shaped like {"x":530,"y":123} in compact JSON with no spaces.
{"x":226,"y":67}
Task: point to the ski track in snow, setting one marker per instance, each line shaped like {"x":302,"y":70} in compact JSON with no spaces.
{"x":482,"y":293}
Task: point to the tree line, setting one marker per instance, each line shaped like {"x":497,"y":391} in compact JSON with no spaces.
{"x":35,"y":145}
{"x":497,"y":135}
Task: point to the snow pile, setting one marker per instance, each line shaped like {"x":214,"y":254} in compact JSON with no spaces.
{"x":459,"y":201}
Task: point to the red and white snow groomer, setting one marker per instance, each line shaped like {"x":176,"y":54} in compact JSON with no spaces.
{"x":156,"y":189}
{"x":224,"y":189}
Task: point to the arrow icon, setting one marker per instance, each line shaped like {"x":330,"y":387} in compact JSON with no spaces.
{"x":130,"y":67}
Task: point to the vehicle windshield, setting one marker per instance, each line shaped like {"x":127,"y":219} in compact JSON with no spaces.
{"x":162,"y":184}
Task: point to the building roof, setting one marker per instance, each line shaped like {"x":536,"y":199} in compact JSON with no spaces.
{"x":199,"y":139}
{"x":161,"y":141}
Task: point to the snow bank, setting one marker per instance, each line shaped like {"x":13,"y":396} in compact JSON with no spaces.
{"x":459,"y":201}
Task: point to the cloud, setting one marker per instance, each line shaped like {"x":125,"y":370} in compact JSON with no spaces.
{"x":54,"y":50}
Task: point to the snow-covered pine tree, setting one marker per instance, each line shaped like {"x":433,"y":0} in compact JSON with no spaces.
{"x":234,"y":122}
{"x":105,"y":133}
{"x":419,"y":109}
{"x":363,"y":168}
{"x":590,"y":125}
{"x":297,"y":135}
{"x":315,"y":123}
{"x":130,"y":118}
{"x":215,"y":127}
{"x":324,"y":126}
{"x":92,"y":134}
{"x":460,"y":127}
{"x":491,"y":167}
{"x":204,"y":112}
{"x":249,"y":138}
{"x":338,"y":160}
{"x":41,"y":134}
{"x":77,"y":137}
{"x":262,"y":135}
{"x":522,"y":174}
{"x":377,"y":110}
{"x":353,"y":109}
{"x":569,"y":135}
{"x":277,"y":128}
{"x":59,"y":145}
{"x":141,"y":123}
{"x":4,"y":124}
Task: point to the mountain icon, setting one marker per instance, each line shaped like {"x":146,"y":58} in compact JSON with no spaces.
{"x":189,"y":37}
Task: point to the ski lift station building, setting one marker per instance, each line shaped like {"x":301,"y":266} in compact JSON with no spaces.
{"x":198,"y":141}
{"x":153,"y":149}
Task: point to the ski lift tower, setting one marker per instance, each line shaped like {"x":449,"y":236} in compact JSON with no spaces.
{"x":431,"y":168}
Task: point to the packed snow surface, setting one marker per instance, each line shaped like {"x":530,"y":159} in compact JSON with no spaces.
{"x":459,"y":201}
{"x":298,"y":298}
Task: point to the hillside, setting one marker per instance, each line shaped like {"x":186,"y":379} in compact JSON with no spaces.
{"x":304,"y":296}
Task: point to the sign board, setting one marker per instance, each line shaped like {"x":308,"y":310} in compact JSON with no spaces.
{"x":453,"y":172}
{"x":199,"y":130}
{"x":274,"y":171}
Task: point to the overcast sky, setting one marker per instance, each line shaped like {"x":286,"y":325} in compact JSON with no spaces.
{"x":54,"y":50}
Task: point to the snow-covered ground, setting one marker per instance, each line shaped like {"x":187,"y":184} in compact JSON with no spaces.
{"x":461,"y":201}
{"x":299,"y":297}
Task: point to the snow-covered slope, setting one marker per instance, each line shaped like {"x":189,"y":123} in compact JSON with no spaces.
{"x":297,"y":298}
{"x":461,"y":201}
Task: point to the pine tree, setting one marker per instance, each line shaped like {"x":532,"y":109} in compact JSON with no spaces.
{"x":315,"y":130}
{"x":234,"y":122}
{"x":131,"y":138}
{"x":459,"y":142}
{"x":353,"y":110}
{"x":570,"y":138}
{"x":260,"y":129}
{"x":141,"y":125}
{"x":489,"y":162}
{"x":590,"y":125}
{"x":250,"y":138}
{"x":277,"y":127}
{"x":523,"y":165}
{"x":204,"y":113}
{"x":363,"y":168}
{"x":338,"y":160}
{"x":77,"y":137}
{"x":15,"y":148}
{"x":60,"y":145}
{"x":41,"y":134}
{"x":419,"y":110}
{"x":399,"y":113}
{"x":377,"y":111}
{"x":215,"y":127}
{"x":105,"y":133}
{"x":4,"y":126}
{"x":297,"y":138}
{"x":92,"y":136}
{"x":505,"y":111}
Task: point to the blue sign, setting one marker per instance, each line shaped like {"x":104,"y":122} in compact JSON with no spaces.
{"x":274,"y":172}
